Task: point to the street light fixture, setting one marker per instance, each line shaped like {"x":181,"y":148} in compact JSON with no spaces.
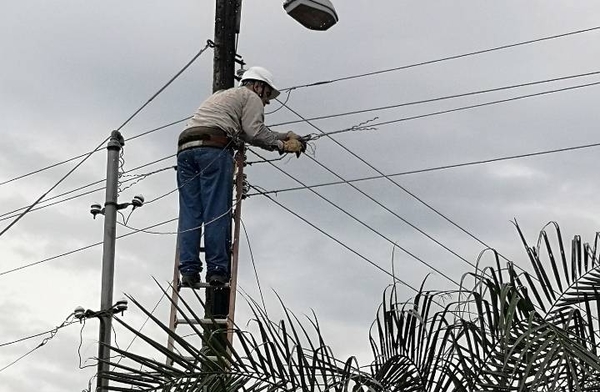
{"x":312,"y":14}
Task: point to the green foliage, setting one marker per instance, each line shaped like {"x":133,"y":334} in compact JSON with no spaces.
{"x":510,"y":331}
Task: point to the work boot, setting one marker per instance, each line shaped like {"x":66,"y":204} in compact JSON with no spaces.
{"x":217,"y":279}
{"x":192,"y":280}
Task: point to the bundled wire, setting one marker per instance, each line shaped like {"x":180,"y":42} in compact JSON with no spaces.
{"x":68,"y":321}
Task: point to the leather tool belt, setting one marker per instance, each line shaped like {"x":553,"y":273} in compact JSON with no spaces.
{"x":203,"y":137}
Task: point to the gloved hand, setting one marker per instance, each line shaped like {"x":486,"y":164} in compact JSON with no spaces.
{"x":293,"y":145}
{"x":291,"y":135}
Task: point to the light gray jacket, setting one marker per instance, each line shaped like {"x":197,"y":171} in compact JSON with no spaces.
{"x":240,"y":113}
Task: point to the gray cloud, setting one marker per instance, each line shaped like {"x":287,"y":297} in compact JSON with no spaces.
{"x":71,"y":73}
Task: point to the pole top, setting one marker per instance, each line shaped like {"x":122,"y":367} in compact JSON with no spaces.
{"x":116,"y":140}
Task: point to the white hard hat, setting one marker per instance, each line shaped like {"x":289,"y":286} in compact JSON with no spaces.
{"x":263,"y":75}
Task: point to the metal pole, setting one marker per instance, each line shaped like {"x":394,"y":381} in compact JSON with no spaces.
{"x":108,"y":256}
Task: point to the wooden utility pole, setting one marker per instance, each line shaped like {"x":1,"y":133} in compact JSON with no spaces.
{"x":227,"y":14}
{"x":227,"y":20}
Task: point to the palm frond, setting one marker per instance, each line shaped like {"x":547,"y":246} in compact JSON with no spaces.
{"x":510,"y":330}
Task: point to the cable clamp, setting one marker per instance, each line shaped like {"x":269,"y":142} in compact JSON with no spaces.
{"x":210,"y":43}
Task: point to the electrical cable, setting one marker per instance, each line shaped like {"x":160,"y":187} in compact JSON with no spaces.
{"x":135,"y":178}
{"x":82,"y":248}
{"x":368,"y":227}
{"x":430,"y":114}
{"x":414,"y":196}
{"x":13,"y":213}
{"x":471,"y":106}
{"x":454,"y":57}
{"x":181,"y":231}
{"x":403,"y":188}
{"x":324,"y":116}
{"x":11,"y":224}
{"x":464,"y":108}
{"x":262,"y":298}
{"x":287,"y":98}
{"x":134,"y":231}
{"x":142,"y":326}
{"x":26,"y":338}
{"x":52,"y":333}
{"x":91,"y":152}
{"x":413,"y":226}
{"x":369,"y":74}
{"x":209,"y":44}
{"x":416,"y":228}
{"x":430,"y":169}
{"x":396,"y":279}
{"x":380,"y":173}
{"x":81,"y":362}
{"x":121,"y":236}
{"x":416,"y":171}
{"x":443,"y":98}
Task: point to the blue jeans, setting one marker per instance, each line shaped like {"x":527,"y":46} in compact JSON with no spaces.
{"x":205,"y":181}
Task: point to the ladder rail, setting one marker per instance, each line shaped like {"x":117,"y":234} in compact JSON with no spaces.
{"x":174,"y":301}
{"x":239,"y":193}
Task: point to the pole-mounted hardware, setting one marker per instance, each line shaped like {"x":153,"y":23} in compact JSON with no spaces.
{"x":137,"y":201}
{"x":119,"y":307}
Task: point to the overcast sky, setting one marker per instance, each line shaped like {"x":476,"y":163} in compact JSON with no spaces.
{"x":72,"y":71}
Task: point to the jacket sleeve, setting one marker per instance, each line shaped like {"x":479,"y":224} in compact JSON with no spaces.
{"x":254,"y":130}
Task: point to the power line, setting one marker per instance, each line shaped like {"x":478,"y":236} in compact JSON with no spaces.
{"x":339,"y":242}
{"x":5,"y":216}
{"x":91,"y":152}
{"x":8,"y":215}
{"x":50,"y":190}
{"x":414,"y":196}
{"x":418,"y":117}
{"x":141,"y":327}
{"x":475,"y":106}
{"x":262,"y":298}
{"x":394,"y":214}
{"x":432,"y":169}
{"x":82,"y":248}
{"x":209,"y":43}
{"x":367,"y":226}
{"x":380,"y":173}
{"x":443,"y":98}
{"x":455,"y":57}
{"x":26,"y":338}
{"x":437,"y":113}
{"x":52,"y":333}
{"x":387,"y":107}
{"x":134,"y":231}
{"x":98,"y":243}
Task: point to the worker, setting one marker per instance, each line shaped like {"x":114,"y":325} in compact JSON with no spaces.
{"x":205,"y":170}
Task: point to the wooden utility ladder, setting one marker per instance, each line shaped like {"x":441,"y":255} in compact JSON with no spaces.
{"x":215,"y":294}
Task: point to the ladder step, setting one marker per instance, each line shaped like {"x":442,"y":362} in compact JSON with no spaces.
{"x":202,"y":321}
